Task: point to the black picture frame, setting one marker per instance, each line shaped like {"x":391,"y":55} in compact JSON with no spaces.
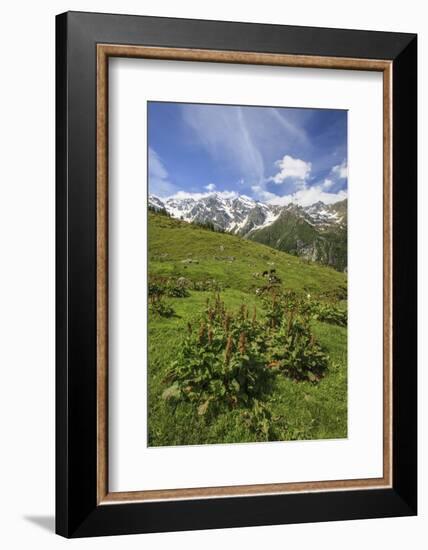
{"x":77,"y":511}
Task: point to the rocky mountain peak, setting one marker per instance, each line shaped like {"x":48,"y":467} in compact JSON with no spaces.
{"x":241,"y":215}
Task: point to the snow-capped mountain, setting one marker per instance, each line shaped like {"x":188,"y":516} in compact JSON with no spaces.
{"x":317,"y":232}
{"x":242,"y":215}
{"x":323,"y":215}
{"x":237,"y":214}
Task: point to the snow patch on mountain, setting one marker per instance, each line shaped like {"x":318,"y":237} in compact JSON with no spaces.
{"x":241,"y":214}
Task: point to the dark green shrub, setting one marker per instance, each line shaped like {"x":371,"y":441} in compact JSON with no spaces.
{"x":177,"y":288}
{"x":159,"y":306}
{"x":295,"y":352}
{"x":330,"y":314}
{"x":231,"y":359}
{"x":278,"y":303}
{"x":168,"y":286}
{"x":222,"y":361}
{"x":207,"y":285}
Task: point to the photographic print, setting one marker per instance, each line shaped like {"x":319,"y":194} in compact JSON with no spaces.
{"x":209,"y":346}
{"x":247,"y":273}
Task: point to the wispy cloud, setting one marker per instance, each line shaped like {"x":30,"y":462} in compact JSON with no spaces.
{"x":159,"y":182}
{"x":295,"y":131}
{"x":225,"y":135}
{"x":271,"y":154}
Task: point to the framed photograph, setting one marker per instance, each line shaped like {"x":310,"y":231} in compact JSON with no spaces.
{"x":236,"y":274}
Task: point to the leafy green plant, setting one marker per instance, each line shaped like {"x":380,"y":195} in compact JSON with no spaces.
{"x":336,"y":294}
{"x":231,"y":360}
{"x":330,"y":314}
{"x":159,"y":306}
{"x":261,"y":421}
{"x":176,"y":288}
{"x":300,"y":410}
{"x":222,"y":361}
{"x":293,"y":349}
{"x":156,"y":286}
{"x":324,"y":311}
{"x":168,"y":286}
{"x":278,"y":303}
{"x":295,"y":352}
{"x":204,"y":285}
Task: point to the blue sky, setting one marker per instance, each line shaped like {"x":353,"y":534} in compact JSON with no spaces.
{"x":274,"y":155}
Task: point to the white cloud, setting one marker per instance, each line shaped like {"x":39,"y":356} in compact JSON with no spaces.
{"x":262,"y":194}
{"x":159,"y":183}
{"x":340,"y":170}
{"x":210,"y":187}
{"x":291,"y":168}
{"x":302,"y":197}
{"x":327,"y":183}
{"x":308,"y":196}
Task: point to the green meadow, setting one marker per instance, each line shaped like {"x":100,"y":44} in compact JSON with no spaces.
{"x":200,"y":282}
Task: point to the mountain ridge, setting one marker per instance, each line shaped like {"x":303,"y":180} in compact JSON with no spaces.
{"x":317,"y":232}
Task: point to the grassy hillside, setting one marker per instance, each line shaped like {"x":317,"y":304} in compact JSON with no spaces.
{"x":299,"y":410}
{"x":291,"y":233}
{"x":179,"y":249}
